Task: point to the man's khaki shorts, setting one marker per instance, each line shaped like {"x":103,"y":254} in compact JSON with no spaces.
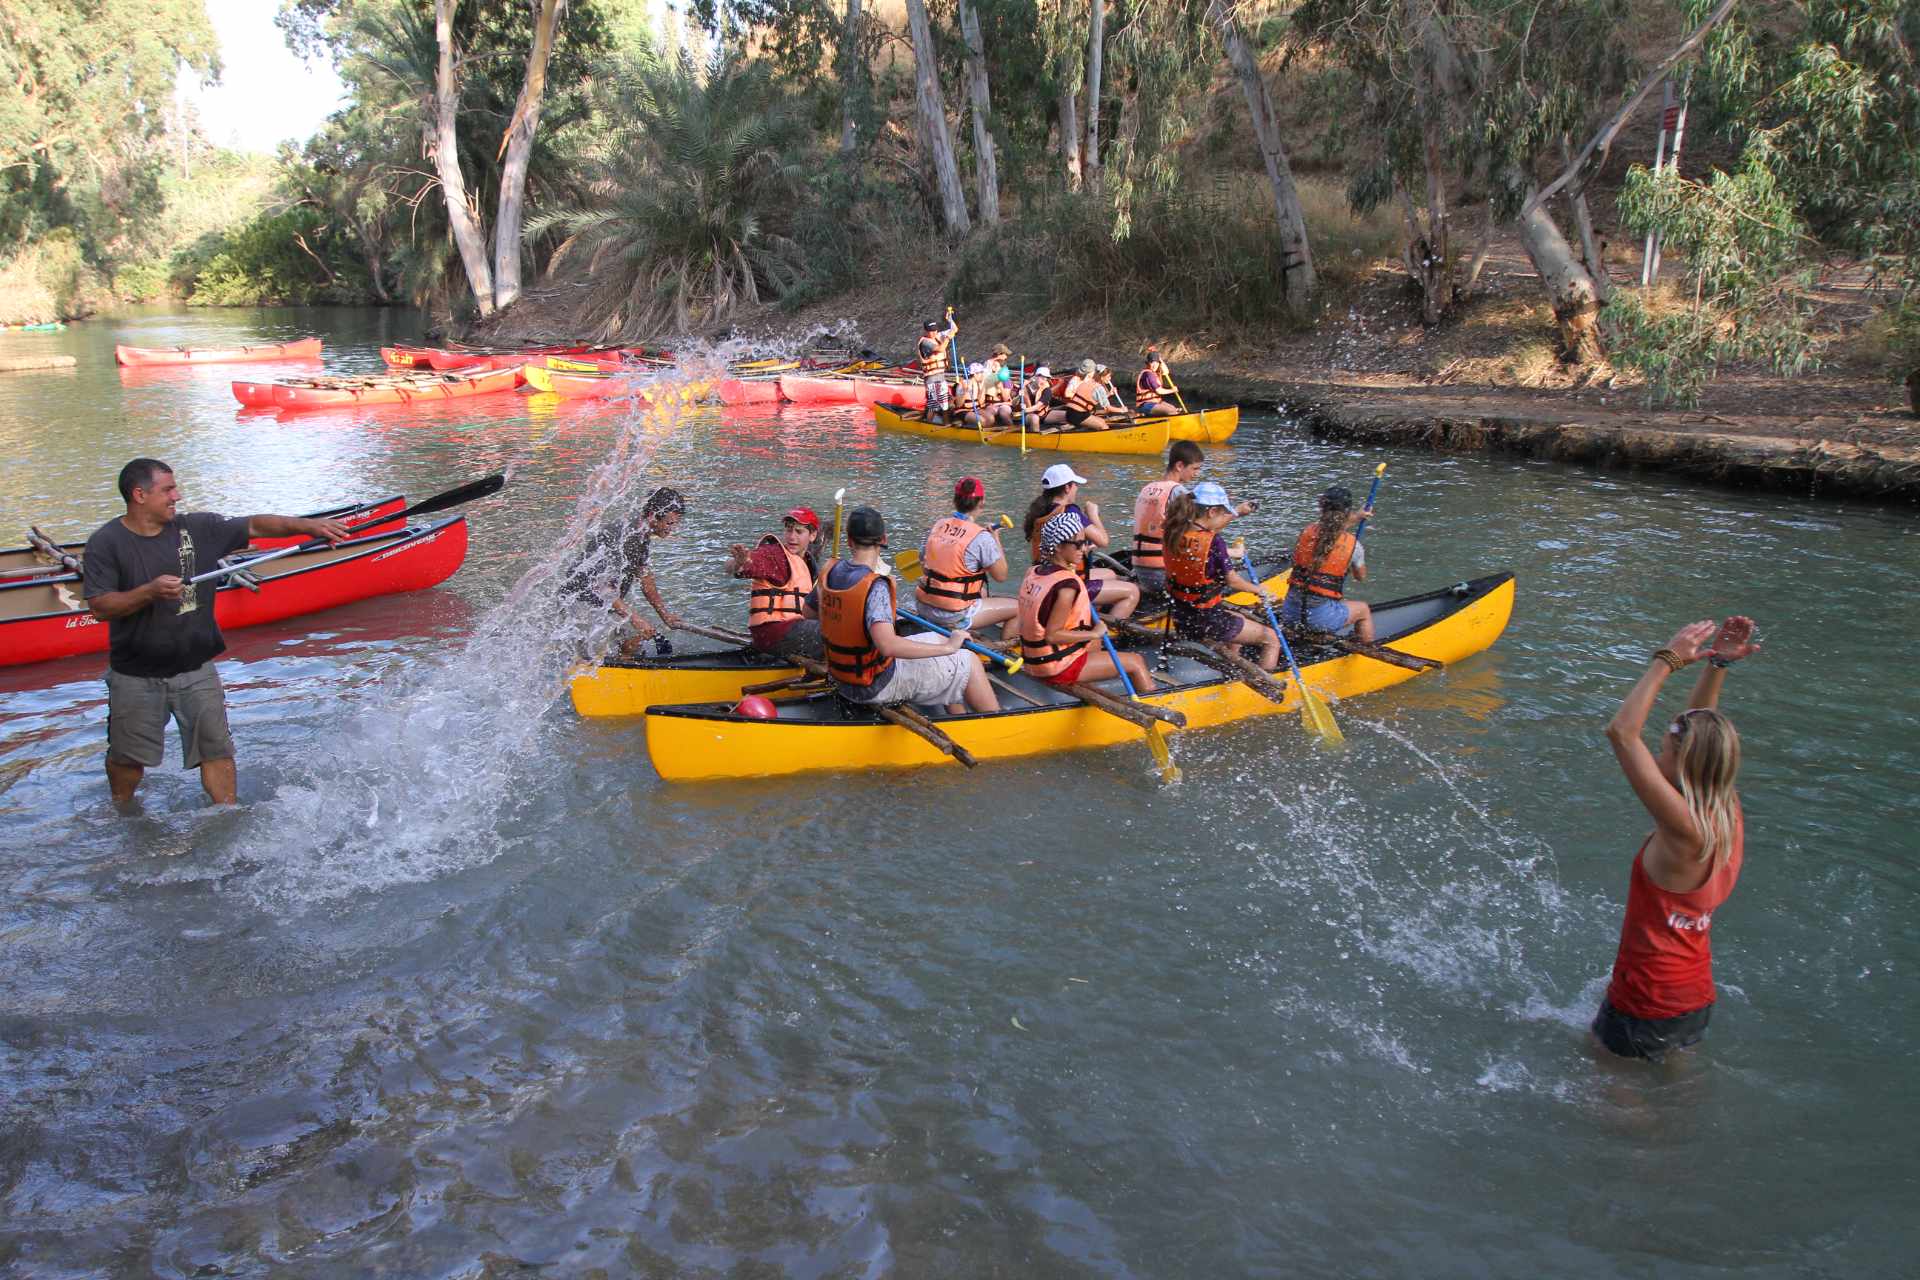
{"x":138,"y":708}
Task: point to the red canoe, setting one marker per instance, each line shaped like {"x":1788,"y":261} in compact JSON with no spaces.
{"x":405,"y":357}
{"x":748,"y":390}
{"x":41,"y":620}
{"x":321,"y":393}
{"x":909,"y":394}
{"x":802,"y":389}
{"x":305,"y":349}
{"x":361,"y":517}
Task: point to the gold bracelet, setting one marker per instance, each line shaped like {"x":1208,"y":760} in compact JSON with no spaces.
{"x":1669,"y":657}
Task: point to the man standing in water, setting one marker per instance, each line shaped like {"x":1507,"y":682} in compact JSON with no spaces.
{"x":161,"y":634}
{"x":619,"y":554}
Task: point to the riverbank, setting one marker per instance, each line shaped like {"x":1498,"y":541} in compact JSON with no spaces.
{"x":1484,"y":382}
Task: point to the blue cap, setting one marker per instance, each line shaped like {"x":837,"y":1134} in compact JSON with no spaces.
{"x":1209,"y":494}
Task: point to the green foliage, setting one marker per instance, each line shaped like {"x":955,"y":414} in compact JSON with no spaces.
{"x":1821,"y":98}
{"x":271,"y":260}
{"x":1188,"y":260}
{"x":691,"y":214}
{"x":1745,"y":252}
{"x":85,"y":90}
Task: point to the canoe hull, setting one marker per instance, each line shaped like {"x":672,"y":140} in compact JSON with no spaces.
{"x":304,"y":349}
{"x":1146,"y":437}
{"x":801,"y":389}
{"x":697,"y":743}
{"x":747,"y":390}
{"x":292,"y":396}
{"x":904,"y":395}
{"x":412,"y":560}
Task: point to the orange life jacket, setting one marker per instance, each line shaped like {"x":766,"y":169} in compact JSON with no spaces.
{"x":937,"y":362}
{"x":779,"y":602}
{"x":1044,"y":658}
{"x":1144,"y":395}
{"x":1084,"y":394}
{"x":851,"y":656}
{"x":1187,"y":578}
{"x":1329,"y":577}
{"x":945,"y":582}
{"x":1149,"y":520}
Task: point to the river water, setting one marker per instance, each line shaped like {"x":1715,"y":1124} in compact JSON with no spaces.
{"x":462,"y":989}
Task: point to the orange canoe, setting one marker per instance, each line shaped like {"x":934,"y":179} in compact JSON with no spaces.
{"x":304,"y":349}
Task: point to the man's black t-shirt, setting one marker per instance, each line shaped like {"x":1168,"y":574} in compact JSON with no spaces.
{"x":168,"y":637}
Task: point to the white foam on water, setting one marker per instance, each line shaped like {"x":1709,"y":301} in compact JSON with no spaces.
{"x":417,"y":781}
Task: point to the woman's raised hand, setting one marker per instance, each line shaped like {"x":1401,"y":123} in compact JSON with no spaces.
{"x":1735,"y":640}
{"x":1689,"y":643}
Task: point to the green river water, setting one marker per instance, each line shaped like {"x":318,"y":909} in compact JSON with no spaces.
{"x":462,"y":989}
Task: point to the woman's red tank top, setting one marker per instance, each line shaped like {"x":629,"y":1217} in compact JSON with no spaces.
{"x":1664,"y":967}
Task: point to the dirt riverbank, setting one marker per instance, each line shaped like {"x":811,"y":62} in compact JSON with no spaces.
{"x":1486,"y":381}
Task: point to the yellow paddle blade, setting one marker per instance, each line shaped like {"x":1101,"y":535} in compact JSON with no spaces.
{"x":1317,"y":717}
{"x":907,"y":565}
{"x":1162,"y":756}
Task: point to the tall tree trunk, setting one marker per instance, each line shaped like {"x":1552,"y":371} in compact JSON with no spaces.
{"x":1570,"y":286}
{"x":517,"y":143}
{"x":1096,"y":53}
{"x":986,"y":172}
{"x":1070,"y":133}
{"x":933,"y":116}
{"x":1296,"y":269}
{"x":467,"y":236}
{"x":853,"y":78}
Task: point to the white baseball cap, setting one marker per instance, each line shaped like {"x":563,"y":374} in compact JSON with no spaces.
{"x":1060,"y":474}
{"x":1043,"y":372}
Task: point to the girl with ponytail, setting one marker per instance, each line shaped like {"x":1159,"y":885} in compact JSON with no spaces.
{"x":1661,"y":995}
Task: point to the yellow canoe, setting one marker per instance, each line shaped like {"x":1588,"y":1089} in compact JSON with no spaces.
{"x":705,"y":742}
{"x":628,"y":686}
{"x":1140,"y":435}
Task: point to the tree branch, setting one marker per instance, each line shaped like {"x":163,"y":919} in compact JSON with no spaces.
{"x":1603,"y":140}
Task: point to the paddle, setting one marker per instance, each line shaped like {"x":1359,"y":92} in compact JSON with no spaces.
{"x":451,"y":498}
{"x":1156,"y":732}
{"x":839,"y":504}
{"x":1372,"y":493}
{"x":1315,"y":716}
{"x":1012,"y":665}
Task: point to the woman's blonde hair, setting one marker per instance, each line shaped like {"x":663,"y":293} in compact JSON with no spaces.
{"x":1707,"y":759}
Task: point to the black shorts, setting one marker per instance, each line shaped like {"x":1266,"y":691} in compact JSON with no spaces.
{"x":1649,"y":1038}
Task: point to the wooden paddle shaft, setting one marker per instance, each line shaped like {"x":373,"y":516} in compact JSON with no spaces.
{"x":1261,"y":682}
{"x":48,"y":547}
{"x":1144,"y":714}
{"x":911,"y":720}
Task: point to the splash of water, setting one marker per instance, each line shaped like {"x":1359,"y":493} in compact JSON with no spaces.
{"x":423,"y":775}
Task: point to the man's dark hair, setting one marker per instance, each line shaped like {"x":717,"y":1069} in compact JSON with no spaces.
{"x":661,"y":501}
{"x":1184,"y":452}
{"x":139,"y":474}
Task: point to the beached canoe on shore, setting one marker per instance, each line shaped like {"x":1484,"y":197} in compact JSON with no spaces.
{"x":304,"y":349}
{"x":1136,"y":435}
{"x":710,"y":741}
{"x":41,"y":619}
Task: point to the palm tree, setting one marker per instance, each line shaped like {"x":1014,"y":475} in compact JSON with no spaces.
{"x":686,"y":216}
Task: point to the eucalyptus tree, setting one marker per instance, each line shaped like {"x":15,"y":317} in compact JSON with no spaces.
{"x":1298,"y":278}
{"x":84,"y":87}
{"x":1482,"y":94}
{"x":934,"y":129}
{"x":1820,"y":100}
